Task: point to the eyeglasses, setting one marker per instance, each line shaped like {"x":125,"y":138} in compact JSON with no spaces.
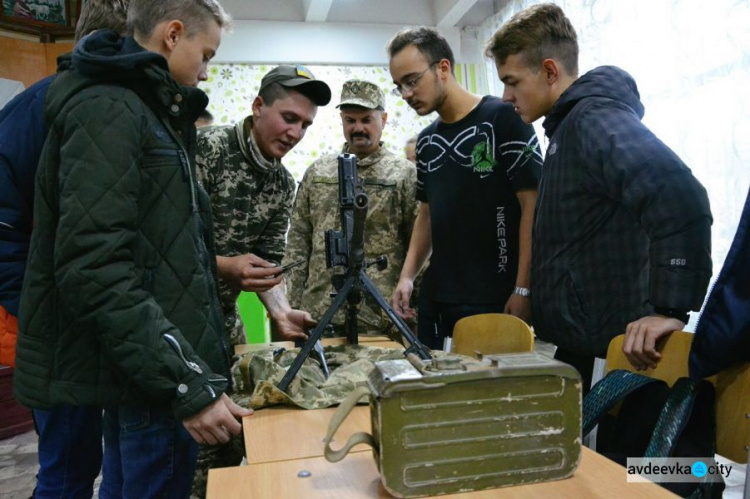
{"x":410,"y":85}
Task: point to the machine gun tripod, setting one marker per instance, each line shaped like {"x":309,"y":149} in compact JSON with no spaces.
{"x":346,"y":248}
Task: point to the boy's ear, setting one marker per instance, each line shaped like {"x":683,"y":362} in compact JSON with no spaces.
{"x":551,"y":70}
{"x":257,"y":104}
{"x":172,"y":32}
{"x":443,"y":67}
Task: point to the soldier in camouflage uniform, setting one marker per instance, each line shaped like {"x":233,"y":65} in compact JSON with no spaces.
{"x":252,"y":195}
{"x":390,"y":184}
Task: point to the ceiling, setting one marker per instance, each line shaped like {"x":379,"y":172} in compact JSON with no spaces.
{"x":440,"y":13}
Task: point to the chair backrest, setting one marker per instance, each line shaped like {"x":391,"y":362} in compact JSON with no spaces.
{"x":732,"y":390}
{"x":733,"y":412}
{"x":675,"y":350}
{"x":491,"y":333}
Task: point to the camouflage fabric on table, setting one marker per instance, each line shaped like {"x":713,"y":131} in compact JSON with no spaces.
{"x":251,"y":202}
{"x":390,"y":184}
{"x":256,"y":375}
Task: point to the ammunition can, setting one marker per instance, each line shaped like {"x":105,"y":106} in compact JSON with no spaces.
{"x":454,"y":426}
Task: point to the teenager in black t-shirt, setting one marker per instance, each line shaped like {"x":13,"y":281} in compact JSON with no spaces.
{"x":479,"y":166}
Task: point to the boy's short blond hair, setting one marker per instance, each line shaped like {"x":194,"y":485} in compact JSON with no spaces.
{"x":144,"y":15}
{"x":537,"y":33}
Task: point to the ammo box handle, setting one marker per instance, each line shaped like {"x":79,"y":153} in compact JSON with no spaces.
{"x":339,"y":416}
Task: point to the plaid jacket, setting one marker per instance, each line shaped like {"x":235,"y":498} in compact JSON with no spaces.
{"x":621,"y":224}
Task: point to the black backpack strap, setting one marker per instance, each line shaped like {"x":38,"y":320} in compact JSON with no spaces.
{"x":687,"y":426}
{"x":611,"y":389}
{"x":677,"y":414}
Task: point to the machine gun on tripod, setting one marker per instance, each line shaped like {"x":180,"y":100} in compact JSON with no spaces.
{"x":345,"y":248}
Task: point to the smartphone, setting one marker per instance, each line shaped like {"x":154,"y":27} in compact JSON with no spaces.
{"x":289,"y":267}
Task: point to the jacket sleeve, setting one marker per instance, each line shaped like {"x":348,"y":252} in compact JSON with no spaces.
{"x":98,"y":185}
{"x":639,"y":171}
{"x":272,"y":242}
{"x":722,"y":337}
{"x":299,"y":243}
{"x":207,"y":161}
{"x":22,"y":134}
{"x":409,"y":206}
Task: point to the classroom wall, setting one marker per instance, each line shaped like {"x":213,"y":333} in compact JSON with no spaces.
{"x":29,"y":61}
{"x":273,"y":42}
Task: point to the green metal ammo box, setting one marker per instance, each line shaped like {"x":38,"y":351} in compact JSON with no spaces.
{"x":456,"y":424}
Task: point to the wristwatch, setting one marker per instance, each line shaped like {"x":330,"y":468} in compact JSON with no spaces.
{"x":525,"y":292}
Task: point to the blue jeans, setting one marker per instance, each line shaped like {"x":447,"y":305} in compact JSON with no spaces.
{"x":70,"y":451}
{"x":147,"y":453}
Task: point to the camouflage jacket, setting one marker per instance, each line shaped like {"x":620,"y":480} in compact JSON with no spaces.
{"x":390,"y":184}
{"x":251,"y":204}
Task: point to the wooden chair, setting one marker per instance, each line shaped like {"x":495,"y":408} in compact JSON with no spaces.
{"x":732,"y":390}
{"x":675,"y":350}
{"x":491,"y":333}
{"x":733,"y":412}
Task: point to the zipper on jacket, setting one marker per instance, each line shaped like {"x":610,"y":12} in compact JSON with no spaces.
{"x":208,"y":273}
{"x":187,"y":174}
{"x":177,"y":348}
{"x":163,"y":151}
{"x":211,"y":279}
{"x":210,"y":390}
{"x":148,"y":279}
{"x":183,"y":156}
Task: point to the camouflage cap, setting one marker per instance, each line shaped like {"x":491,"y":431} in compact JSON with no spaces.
{"x":300,"y":79}
{"x":362,"y":93}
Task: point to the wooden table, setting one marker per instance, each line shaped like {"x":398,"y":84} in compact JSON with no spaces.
{"x":282,"y":434}
{"x":356,"y":476}
{"x":270,"y":433}
{"x":282,"y":442}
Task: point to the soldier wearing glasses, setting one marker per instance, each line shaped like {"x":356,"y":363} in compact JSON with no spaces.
{"x":478,"y":166}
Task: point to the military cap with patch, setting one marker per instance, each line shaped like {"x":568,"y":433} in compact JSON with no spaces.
{"x":300,"y":79}
{"x":362,"y":93}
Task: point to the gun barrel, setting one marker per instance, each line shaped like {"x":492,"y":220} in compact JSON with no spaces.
{"x":358,"y":230}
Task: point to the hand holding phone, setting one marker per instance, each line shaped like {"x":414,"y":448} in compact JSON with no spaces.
{"x":288,"y":267}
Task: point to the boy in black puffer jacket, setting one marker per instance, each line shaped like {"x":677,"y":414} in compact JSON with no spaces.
{"x":119,"y":306}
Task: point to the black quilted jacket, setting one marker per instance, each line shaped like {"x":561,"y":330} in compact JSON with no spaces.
{"x":621,"y":224}
{"x":119,"y":303}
